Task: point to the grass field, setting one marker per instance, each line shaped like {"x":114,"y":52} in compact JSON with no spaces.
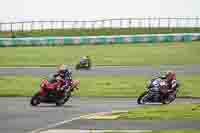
{"x":101,"y":31}
{"x":177,"y":131}
{"x":167,"y":112}
{"x":107,"y":86}
{"x":167,"y":131}
{"x":129,"y":54}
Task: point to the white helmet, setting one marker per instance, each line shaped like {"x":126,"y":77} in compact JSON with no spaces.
{"x":84,"y":57}
{"x":62,"y":67}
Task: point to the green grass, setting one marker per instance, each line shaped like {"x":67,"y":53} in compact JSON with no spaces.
{"x":178,"y":131}
{"x":101,"y":31}
{"x":129,"y":54}
{"x":167,"y":112}
{"x":107,"y":86}
{"x":168,"y":131}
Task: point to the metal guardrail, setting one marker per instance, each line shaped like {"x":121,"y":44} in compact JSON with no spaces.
{"x":105,"y":23}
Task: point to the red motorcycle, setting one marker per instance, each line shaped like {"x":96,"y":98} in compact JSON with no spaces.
{"x":50,"y":94}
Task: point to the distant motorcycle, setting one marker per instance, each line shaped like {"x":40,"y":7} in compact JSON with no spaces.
{"x":157,"y":92}
{"x":83,"y":64}
{"x":52,"y":97}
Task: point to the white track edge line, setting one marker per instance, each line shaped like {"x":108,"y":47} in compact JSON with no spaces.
{"x":94,"y":131}
{"x":67,"y":121}
{"x":54,"y":125}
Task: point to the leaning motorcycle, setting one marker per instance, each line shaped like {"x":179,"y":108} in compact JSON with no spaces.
{"x":83,"y":65}
{"x":157,"y":92}
{"x":52,"y":97}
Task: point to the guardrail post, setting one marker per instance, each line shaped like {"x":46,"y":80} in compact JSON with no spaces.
{"x":11,"y":27}
{"x":197,"y":22}
{"x":103,"y":23}
{"x":83,"y":25}
{"x":22,"y":26}
{"x":63,"y":24}
{"x":120,"y":23}
{"x":158,"y":22}
{"x":111,"y":23}
{"x":149,"y":24}
{"x":177,"y":22}
{"x":139,"y":23}
{"x":32,"y":25}
{"x":41,"y":23}
{"x":51,"y":23}
{"x":168,"y":23}
{"x":93,"y":24}
{"x":129,"y":23}
{"x":73,"y":25}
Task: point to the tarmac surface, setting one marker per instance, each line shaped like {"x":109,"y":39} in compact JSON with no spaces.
{"x":104,"y":70}
{"x":17,"y":116}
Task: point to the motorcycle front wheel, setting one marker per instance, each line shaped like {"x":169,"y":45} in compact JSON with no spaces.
{"x":35,"y":100}
{"x":63,"y":100}
{"x":77,"y":66}
{"x":140,"y":99}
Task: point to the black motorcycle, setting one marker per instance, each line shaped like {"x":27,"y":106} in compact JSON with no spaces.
{"x":157,"y":92}
{"x":83,"y":64}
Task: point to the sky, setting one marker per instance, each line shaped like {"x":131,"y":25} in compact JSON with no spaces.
{"x":22,"y":10}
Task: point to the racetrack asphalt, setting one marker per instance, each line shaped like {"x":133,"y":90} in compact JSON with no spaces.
{"x":17,"y":116}
{"x":104,"y":70}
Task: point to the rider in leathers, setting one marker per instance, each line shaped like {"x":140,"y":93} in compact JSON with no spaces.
{"x":170,"y":78}
{"x":64,"y":75}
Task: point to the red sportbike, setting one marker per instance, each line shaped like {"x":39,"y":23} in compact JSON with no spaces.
{"x":49,"y":92}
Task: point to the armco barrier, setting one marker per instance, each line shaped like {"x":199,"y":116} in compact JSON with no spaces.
{"x":120,"y":39}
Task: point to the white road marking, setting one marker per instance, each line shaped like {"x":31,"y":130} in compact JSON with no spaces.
{"x":60,"y":123}
{"x":54,"y":125}
{"x":45,"y":130}
{"x":93,"y":131}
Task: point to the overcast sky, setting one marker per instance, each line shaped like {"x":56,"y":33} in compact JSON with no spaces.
{"x":19,"y":10}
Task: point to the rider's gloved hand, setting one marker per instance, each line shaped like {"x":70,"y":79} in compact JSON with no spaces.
{"x":169,"y":91}
{"x":60,"y":89}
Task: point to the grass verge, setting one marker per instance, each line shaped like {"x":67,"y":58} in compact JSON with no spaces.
{"x":100,"y":31}
{"x":167,"y":131}
{"x":130,"y":54}
{"x":107,"y":86}
{"x":167,"y":112}
{"x":177,"y":131}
